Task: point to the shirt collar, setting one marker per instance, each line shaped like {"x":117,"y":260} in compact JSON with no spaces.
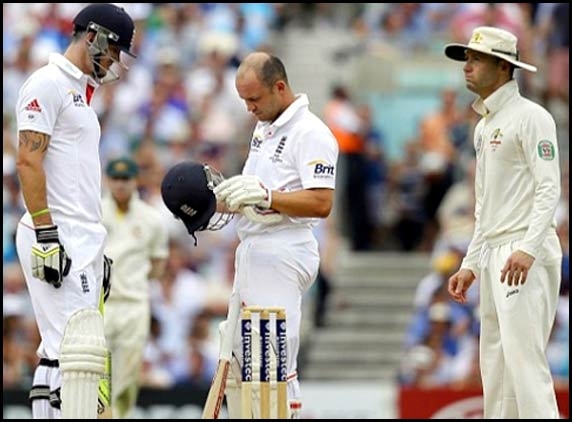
{"x":301,"y":101}
{"x":68,"y":67}
{"x":497,"y":99}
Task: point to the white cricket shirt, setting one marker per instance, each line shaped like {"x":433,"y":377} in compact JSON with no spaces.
{"x":297,"y":151}
{"x":517,"y":182}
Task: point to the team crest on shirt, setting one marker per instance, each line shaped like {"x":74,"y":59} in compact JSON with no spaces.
{"x":277,"y":157}
{"x":322,"y":169}
{"x":497,"y":139}
{"x":546,"y":150}
{"x":77,"y":98}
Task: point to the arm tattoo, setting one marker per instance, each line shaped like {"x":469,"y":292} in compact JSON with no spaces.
{"x":34,"y":140}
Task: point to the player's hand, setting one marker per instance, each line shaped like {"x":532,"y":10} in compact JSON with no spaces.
{"x":50,"y":261}
{"x":459,"y":283}
{"x":107,"y":263}
{"x":243,"y":190}
{"x":259,"y":215}
{"x":515,"y":271}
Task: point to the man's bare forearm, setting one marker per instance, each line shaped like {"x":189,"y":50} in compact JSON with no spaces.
{"x":32,"y":147}
{"x":304,"y":203}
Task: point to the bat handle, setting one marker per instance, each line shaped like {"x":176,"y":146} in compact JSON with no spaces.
{"x":216,"y":392}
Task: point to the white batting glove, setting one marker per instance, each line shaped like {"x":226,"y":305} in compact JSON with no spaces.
{"x":224,"y":188}
{"x":259,"y":215}
{"x":243,"y":190}
{"x":50,"y":262}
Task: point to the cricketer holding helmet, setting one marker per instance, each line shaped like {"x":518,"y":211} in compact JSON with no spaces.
{"x":60,"y":239}
{"x":289,"y":171}
{"x":514,"y":250}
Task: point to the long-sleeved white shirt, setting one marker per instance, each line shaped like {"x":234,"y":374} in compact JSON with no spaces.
{"x":134,"y":239}
{"x":517,"y":183}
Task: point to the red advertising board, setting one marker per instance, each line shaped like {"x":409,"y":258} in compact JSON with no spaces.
{"x":446,"y":403}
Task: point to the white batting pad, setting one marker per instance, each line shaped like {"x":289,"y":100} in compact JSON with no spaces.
{"x":82,"y":363}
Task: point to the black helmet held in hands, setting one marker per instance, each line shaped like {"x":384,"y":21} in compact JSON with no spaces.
{"x":187,"y":191}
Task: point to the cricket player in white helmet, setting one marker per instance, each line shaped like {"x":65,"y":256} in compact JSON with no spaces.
{"x":60,"y":239}
{"x":289,"y":173}
{"x":137,"y":242}
{"x":514,"y":250}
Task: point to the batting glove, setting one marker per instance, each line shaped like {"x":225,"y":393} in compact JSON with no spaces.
{"x":259,"y":215}
{"x":50,"y":261}
{"x":224,"y":188}
{"x":243,"y":190}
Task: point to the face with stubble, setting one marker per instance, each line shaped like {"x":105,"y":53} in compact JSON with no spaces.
{"x":264,"y":101}
{"x":484,"y":73}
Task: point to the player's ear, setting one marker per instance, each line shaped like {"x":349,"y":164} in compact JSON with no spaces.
{"x":89,"y":37}
{"x":280,"y":85}
{"x":504,"y":65}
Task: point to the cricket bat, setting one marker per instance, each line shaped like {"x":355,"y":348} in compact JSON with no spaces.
{"x":215,"y":396}
{"x":104,"y":390}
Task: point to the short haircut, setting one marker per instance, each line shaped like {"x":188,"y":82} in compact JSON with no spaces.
{"x":272,"y":70}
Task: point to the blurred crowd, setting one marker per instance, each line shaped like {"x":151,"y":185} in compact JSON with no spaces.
{"x":178,"y":102}
{"x":442,"y":341}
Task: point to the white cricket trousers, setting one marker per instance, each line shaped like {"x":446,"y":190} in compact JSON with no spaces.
{"x":127,"y":327}
{"x":80,"y":289}
{"x":516,"y":322}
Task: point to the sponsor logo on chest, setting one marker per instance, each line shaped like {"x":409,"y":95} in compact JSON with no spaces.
{"x":77,"y":98}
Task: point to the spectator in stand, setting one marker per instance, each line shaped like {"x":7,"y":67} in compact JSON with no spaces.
{"x":341,"y":116}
